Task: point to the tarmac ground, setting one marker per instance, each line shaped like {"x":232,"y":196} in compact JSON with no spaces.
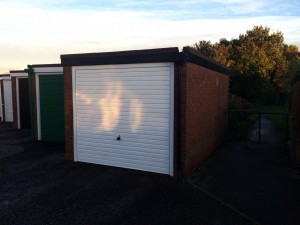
{"x":257,"y":181}
{"x":233,"y":186}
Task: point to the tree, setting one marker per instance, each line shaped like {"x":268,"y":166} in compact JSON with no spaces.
{"x":220,"y":52}
{"x":291,"y":52}
{"x":258,"y":52}
{"x":292,"y":74}
{"x":257,"y":60}
{"x":205,"y":47}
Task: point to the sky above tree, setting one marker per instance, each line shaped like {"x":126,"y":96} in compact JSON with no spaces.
{"x":39,"y":31}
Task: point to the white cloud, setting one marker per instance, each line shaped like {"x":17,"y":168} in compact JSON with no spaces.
{"x":31,"y":35}
{"x":246,"y":6}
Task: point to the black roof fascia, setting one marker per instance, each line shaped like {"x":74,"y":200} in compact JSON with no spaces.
{"x":45,"y":65}
{"x":143,"y":56}
{"x":123,"y":57}
{"x":196,"y":57}
{"x":16,"y":71}
{"x":207,"y":64}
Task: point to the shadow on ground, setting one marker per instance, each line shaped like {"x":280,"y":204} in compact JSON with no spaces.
{"x":233,"y":186}
{"x":39,"y":187}
{"x":257,"y":181}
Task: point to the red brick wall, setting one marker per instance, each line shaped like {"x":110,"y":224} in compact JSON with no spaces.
{"x":68,"y":99}
{"x":14,"y":101}
{"x":204,"y":96}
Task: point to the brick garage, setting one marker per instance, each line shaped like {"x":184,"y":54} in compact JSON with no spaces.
{"x":6,"y":112}
{"x":47,"y":102}
{"x":195,"y":108}
{"x":1,"y":99}
{"x":20,"y":99}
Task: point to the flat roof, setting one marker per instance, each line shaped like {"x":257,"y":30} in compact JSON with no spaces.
{"x":17,"y":71}
{"x":45,"y":65}
{"x":143,"y":56}
{"x":5,"y":76}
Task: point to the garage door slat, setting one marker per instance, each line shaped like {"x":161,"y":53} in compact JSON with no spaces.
{"x":128,"y":165}
{"x":133,"y":159}
{"x":126,"y":141}
{"x":127,"y":154}
{"x":139,"y":133}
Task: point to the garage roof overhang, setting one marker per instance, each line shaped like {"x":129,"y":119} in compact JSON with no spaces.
{"x":5,"y":77}
{"x":143,"y":56}
{"x":44,"y":65}
{"x":44,"y":68}
{"x":18,"y":73}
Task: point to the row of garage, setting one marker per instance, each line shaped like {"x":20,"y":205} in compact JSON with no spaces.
{"x":6,"y":109}
{"x":157,"y":110}
{"x":43,"y":112}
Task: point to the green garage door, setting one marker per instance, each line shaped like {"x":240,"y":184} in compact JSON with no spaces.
{"x":52,"y":108}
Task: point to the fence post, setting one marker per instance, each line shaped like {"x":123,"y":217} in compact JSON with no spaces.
{"x":246,"y":134}
{"x":259,"y":127}
{"x":287,"y":118}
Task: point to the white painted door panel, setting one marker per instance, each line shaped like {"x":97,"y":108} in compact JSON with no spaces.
{"x":132,"y":102}
{"x":8,"y":101}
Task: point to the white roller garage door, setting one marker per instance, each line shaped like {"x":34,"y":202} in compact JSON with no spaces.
{"x":8,"y":101}
{"x":123,"y":116}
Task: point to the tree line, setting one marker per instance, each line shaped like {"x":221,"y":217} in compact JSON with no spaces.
{"x":262,"y":65}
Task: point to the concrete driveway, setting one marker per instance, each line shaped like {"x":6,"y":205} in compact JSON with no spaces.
{"x":37,"y":186}
{"x":258,"y":181}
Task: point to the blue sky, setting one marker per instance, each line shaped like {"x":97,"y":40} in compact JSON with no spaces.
{"x":39,"y":31}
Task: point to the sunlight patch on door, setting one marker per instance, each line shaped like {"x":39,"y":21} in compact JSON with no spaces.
{"x":83,"y":97}
{"x":110,"y":107}
{"x":135,"y":114}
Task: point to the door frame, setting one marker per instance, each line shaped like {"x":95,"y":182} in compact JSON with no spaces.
{"x":43,"y":71}
{"x":8,"y":78}
{"x":126,"y":66}
{"x":18,"y":100}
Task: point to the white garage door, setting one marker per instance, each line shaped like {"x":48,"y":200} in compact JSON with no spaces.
{"x":8,"y":101}
{"x":123,"y":116}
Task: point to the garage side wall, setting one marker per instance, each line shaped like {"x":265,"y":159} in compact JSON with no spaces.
{"x":204,"y":98}
{"x":14,"y":100}
{"x":68,"y":99}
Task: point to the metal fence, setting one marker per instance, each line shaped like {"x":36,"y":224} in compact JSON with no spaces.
{"x":240,"y":122}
